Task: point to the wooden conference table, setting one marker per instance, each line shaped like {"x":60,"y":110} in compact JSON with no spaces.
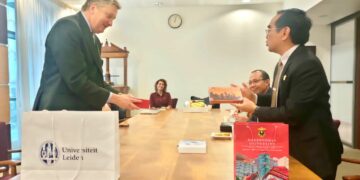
{"x":148,"y":148}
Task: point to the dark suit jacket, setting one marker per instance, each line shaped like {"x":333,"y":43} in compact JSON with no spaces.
{"x":303,"y":103}
{"x":268,"y":93}
{"x":72,"y":76}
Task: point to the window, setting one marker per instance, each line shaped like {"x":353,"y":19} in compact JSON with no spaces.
{"x":12,"y":57}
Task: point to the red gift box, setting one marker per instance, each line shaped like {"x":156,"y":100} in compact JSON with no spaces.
{"x":144,"y":104}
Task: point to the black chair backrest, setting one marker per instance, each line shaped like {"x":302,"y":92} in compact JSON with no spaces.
{"x":174,"y":102}
{"x":195,"y":98}
{"x":206,"y":101}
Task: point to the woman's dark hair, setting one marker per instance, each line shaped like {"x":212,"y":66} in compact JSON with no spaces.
{"x":161,"y":80}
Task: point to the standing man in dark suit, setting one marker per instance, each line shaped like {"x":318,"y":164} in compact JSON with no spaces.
{"x":72,"y":76}
{"x":302,"y":98}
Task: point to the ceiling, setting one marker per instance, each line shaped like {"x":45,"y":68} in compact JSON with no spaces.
{"x":328,"y":11}
{"x":171,"y":3}
{"x":325,"y":12}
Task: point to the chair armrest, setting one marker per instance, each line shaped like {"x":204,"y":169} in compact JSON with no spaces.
{"x":354,"y":177}
{"x":14,"y":151}
{"x":12,"y":164}
{"x":350,"y":160}
{"x":4,"y":170}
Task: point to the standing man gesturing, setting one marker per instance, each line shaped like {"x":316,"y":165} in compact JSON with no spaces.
{"x":72,"y":76}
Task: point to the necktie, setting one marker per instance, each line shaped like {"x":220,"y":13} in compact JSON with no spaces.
{"x":96,"y":46}
{"x":275,"y":93}
{"x":94,"y":38}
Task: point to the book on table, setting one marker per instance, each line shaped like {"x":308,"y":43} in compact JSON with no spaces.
{"x":219,"y":95}
{"x":192,"y":146}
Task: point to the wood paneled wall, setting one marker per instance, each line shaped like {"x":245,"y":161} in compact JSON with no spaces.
{"x":4,"y":67}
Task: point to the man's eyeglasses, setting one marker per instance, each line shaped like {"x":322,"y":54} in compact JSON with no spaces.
{"x":269,"y":29}
{"x":255,"y":81}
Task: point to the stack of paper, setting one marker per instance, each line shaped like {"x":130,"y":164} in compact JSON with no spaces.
{"x":196,"y":109}
{"x":149,"y":111}
{"x":192,"y":146}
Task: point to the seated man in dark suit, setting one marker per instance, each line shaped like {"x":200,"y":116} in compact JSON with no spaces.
{"x":259,"y":82}
{"x":300,"y":97}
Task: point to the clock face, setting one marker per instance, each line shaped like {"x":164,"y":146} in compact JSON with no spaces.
{"x":175,"y":21}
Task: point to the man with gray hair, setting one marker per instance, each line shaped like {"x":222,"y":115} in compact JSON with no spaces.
{"x":87,"y":4}
{"x":72,"y":75}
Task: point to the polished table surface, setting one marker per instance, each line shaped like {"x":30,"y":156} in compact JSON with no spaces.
{"x":148,"y":148}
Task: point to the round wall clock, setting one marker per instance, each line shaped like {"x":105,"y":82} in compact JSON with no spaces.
{"x":175,"y":21}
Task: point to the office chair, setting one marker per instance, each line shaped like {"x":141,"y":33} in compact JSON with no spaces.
{"x":174,"y":102}
{"x":6,"y":163}
{"x":337,"y":123}
{"x":206,"y":101}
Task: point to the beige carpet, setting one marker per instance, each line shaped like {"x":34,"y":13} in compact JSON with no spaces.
{"x":349,"y":168}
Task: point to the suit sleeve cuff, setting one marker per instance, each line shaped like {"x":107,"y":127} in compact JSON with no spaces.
{"x":256,"y":110}
{"x":108,"y":100}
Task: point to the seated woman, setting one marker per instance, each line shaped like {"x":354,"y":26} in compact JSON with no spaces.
{"x":160,"y":98}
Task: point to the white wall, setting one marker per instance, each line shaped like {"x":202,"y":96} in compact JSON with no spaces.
{"x":320,"y":36}
{"x":301,"y":4}
{"x":216,"y":46}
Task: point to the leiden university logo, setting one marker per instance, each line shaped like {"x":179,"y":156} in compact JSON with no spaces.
{"x":261,"y":132}
{"x":49,"y":153}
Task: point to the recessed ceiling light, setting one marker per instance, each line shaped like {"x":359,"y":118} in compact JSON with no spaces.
{"x":246,"y":1}
{"x":159,"y":4}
